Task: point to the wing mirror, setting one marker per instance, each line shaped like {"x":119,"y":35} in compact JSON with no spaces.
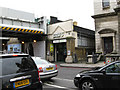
{"x":103,"y":71}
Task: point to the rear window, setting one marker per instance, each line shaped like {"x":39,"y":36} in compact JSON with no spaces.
{"x":13,"y":65}
{"x":38,"y":60}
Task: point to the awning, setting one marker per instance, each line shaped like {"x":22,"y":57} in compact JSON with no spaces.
{"x":20,"y":29}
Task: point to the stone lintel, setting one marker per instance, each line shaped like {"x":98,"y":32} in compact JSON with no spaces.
{"x":104,"y":15}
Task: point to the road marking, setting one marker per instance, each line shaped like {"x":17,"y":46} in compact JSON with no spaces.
{"x":63,"y":79}
{"x":56,"y":86}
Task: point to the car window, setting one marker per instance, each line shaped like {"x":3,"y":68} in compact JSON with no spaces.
{"x":38,"y":60}
{"x":16,"y":65}
{"x":114,"y":68}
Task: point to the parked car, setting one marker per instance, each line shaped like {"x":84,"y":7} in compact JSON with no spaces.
{"x":47,"y":70}
{"x":107,"y":76}
{"x":18,"y":71}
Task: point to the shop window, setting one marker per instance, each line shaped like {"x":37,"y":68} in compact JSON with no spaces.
{"x":105,"y":3}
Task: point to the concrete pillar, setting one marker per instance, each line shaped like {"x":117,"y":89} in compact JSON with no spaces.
{"x":70,"y":49}
{"x":50,"y":53}
{"x":117,"y":10}
{"x":102,"y":45}
{"x":114,"y":44}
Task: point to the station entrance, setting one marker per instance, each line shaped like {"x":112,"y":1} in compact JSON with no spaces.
{"x":60,"y":52}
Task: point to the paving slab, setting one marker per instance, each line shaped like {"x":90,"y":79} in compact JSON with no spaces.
{"x":82,"y":65}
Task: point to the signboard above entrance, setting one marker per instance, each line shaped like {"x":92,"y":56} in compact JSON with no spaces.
{"x":58,"y":35}
{"x":60,"y":41}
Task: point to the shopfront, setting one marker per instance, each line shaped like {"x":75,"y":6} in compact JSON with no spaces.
{"x":62,"y":39}
{"x":60,"y":51}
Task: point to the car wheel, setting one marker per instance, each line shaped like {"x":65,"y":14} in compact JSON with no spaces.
{"x":87,"y":85}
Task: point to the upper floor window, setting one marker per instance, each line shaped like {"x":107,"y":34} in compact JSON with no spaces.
{"x":105,"y":3}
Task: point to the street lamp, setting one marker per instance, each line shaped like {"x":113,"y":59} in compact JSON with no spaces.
{"x":23,"y":42}
{"x":34,"y":41}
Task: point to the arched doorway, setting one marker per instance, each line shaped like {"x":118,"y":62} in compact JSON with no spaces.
{"x":108,"y":40}
{"x":108,"y":44}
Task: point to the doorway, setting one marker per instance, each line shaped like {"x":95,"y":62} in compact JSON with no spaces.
{"x":61,"y":52}
{"x":108,"y":44}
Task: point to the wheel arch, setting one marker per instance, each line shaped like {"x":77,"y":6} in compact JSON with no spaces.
{"x":87,"y":78}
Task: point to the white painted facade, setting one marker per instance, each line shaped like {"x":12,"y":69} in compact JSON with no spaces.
{"x":62,"y":30}
{"x":16,"y":14}
{"x":40,"y":49}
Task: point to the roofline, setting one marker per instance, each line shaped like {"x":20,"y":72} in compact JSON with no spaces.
{"x":104,"y":15}
{"x":62,"y":21}
{"x":83,"y":28}
{"x":12,"y":54}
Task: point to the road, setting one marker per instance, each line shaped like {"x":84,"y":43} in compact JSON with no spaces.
{"x":64,"y":80}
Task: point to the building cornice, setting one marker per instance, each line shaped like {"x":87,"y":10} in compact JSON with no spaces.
{"x":104,"y":15}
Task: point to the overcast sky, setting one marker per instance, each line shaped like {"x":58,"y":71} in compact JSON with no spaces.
{"x":78,"y":10}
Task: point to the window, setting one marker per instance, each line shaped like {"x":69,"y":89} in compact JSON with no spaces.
{"x":105,"y":3}
{"x":38,"y":60}
{"x":114,"y":68}
{"x":16,"y":65}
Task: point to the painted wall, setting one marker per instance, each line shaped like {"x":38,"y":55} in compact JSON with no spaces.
{"x":7,"y":12}
{"x":65,"y":26}
{"x":40,"y":49}
{"x":62,"y":30}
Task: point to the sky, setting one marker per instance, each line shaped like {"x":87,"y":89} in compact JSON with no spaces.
{"x":78,"y":10}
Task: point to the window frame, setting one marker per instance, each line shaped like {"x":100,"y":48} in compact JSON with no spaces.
{"x":105,"y":4}
{"x":114,"y":66}
{"x":18,"y":63}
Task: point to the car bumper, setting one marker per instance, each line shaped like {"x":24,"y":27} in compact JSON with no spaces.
{"x":48,"y":74}
{"x":76,"y":81}
{"x":36,"y":85}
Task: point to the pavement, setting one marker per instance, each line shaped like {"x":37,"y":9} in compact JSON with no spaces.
{"x":82,"y":65}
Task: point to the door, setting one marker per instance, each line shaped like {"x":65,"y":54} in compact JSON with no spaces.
{"x":112,"y":76}
{"x":108,"y":44}
{"x":61,"y":51}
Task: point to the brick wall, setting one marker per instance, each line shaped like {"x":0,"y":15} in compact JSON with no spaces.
{"x":81,"y":54}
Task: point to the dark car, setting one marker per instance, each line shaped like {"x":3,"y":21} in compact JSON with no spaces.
{"x":106,"y":77}
{"x":18,"y":71}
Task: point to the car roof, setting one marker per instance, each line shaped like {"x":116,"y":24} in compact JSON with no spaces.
{"x":109,"y":64}
{"x":12,"y":54}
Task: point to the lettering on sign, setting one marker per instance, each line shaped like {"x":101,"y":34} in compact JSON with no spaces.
{"x":58,"y":35}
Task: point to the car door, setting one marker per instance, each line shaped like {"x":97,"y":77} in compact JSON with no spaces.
{"x":112,"y":76}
